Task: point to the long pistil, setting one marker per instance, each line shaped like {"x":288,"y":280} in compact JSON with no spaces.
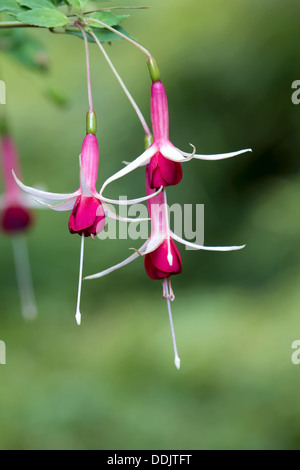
{"x":78,"y":314}
{"x":170,"y":256}
{"x":166,"y":290}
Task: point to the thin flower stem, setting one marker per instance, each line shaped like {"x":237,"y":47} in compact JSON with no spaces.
{"x":128,"y":94}
{"x":176,"y":357}
{"x":78,"y":314}
{"x":88,"y":69}
{"x":24,"y":279}
{"x":134,"y":43}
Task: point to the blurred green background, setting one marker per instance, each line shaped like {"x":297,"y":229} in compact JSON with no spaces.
{"x":111,"y":384}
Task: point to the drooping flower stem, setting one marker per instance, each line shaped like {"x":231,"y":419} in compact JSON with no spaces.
{"x":168,"y":296}
{"x":128,"y":94}
{"x":134,"y":43}
{"x":152,"y":64}
{"x":24,"y":278}
{"x":88,"y":68}
{"x":78,"y":314}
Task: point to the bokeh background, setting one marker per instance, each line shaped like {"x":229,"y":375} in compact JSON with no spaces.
{"x":111,"y":384}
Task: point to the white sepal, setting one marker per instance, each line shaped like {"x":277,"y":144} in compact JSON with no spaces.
{"x":206,"y":248}
{"x":221,"y":156}
{"x":130,"y":167}
{"x":126,"y":202}
{"x":64,"y":206}
{"x":110,"y":213}
{"x":44,"y":194}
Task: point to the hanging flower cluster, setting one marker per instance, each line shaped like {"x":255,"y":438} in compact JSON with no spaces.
{"x":163,"y":168}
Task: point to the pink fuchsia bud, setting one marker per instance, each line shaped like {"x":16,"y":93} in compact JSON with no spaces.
{"x":157,"y":264}
{"x":15,"y":216}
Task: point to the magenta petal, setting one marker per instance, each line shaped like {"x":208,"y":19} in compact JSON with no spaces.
{"x":16,"y":219}
{"x":163,"y":172}
{"x":86,"y":216}
{"x":157,"y":265}
{"x":99,"y":222}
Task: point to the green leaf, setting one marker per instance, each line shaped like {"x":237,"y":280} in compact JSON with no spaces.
{"x":11,"y":7}
{"x":44,"y":17}
{"x":8,"y":4}
{"x":107,"y":17}
{"x":36,"y":4}
{"x":104,"y":35}
{"x":78,"y":3}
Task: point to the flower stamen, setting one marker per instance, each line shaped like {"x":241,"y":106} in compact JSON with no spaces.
{"x":171,"y":293}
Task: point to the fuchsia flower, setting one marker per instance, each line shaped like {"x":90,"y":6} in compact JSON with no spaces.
{"x":14,"y":205}
{"x":162,"y":157}
{"x":16,"y":219}
{"x":162,"y":258}
{"x":89,"y":209}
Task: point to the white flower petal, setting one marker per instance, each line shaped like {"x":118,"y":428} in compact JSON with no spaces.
{"x":221,"y":156}
{"x":44,"y":194}
{"x":131,"y":166}
{"x":126,"y":202}
{"x":206,"y":248}
{"x":110,"y":213}
{"x":117,"y":266}
{"x":151,"y":245}
{"x":64,"y":206}
{"x":172,"y":153}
